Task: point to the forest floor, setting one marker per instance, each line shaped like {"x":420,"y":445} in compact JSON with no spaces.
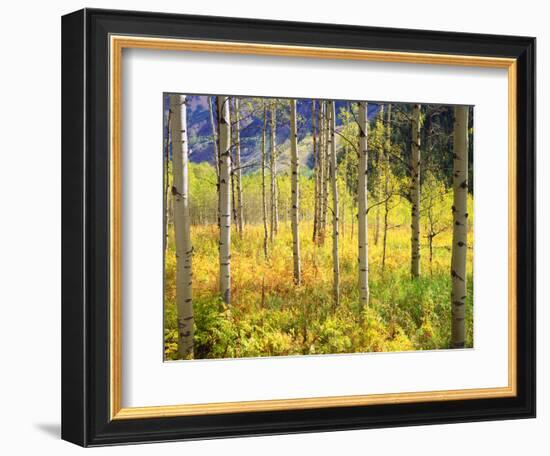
{"x":270,"y":316}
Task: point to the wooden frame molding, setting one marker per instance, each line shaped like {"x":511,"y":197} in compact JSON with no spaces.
{"x":116,"y":46}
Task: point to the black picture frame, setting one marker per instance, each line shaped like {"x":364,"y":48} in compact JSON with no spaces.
{"x":85,"y":227}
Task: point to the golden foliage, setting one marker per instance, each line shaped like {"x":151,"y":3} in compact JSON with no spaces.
{"x":271,"y":316}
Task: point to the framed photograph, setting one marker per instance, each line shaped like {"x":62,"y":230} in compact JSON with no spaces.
{"x":279,"y":227}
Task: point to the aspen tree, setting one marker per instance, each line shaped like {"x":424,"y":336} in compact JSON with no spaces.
{"x":166,"y":198}
{"x":460,"y":227}
{"x":378,"y":183}
{"x":415,"y":192}
{"x":326,"y":173}
{"x":233,"y":191}
{"x":225,"y":199}
{"x":273,"y":173}
{"x":237,"y":171}
{"x":232,"y":151}
{"x":362,"y":224}
{"x":315,"y":171}
{"x":264,"y":193}
{"x":182,"y":225}
{"x":386,"y":169}
{"x":295,"y":208}
{"x":335,"y":205}
{"x":321,"y":172}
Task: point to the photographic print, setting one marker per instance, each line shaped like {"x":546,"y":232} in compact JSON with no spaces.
{"x":227,"y":214}
{"x":315,"y":226}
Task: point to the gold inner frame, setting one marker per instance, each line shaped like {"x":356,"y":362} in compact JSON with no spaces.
{"x":117,"y":44}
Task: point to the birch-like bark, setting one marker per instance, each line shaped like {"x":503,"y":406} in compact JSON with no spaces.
{"x":166,"y":200}
{"x":335,"y":206}
{"x":415,"y":193}
{"x":378,"y":184}
{"x":225,"y":199}
{"x":276,"y":180}
{"x":321,"y":172}
{"x":238,"y":171}
{"x":182,"y":225}
{"x":295,"y":208}
{"x":460,"y":227}
{"x":321,"y":148}
{"x":233,"y":142}
{"x":233,"y":192}
{"x":362,"y":224}
{"x":273,"y":174}
{"x":264,"y":192}
{"x":170,"y":220}
{"x":326,"y":152}
{"x":218,"y":154}
{"x":315,"y":171}
{"x":386,"y":164}
{"x":214,"y":138}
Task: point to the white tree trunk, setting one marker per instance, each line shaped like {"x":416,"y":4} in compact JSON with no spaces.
{"x":264,"y":192}
{"x":460,"y":227}
{"x":273,"y":174}
{"x":182,"y":225}
{"x":225,"y":199}
{"x":326,"y":153}
{"x":233,"y":203}
{"x":315,"y":171}
{"x":378,"y":183}
{"x":321,"y":164}
{"x":167,"y":186}
{"x":237,"y":171}
{"x":295,"y":208}
{"x":362,"y":224}
{"x":386,"y":168}
{"x":415,"y":193}
{"x":335,"y":206}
